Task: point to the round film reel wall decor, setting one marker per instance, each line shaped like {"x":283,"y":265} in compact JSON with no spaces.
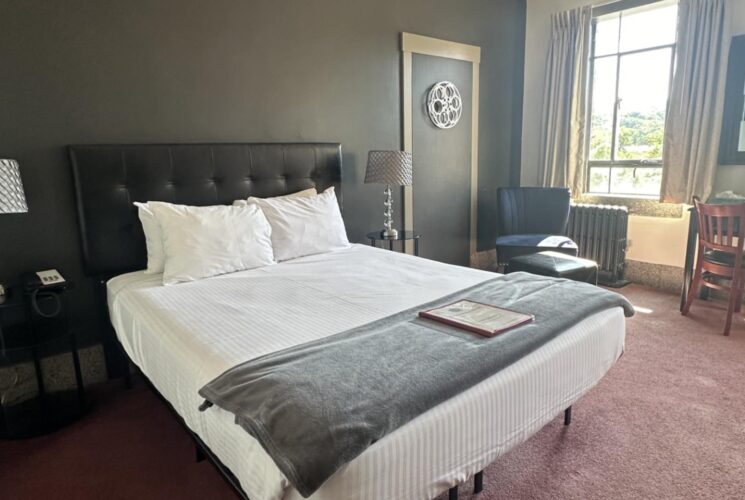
{"x":444,"y":104}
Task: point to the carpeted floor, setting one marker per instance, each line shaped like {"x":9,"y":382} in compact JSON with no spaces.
{"x":667,"y":422}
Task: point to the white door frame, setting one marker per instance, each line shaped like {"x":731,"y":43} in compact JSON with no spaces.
{"x":418,"y":44}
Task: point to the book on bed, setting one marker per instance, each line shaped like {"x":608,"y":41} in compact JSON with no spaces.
{"x":484,"y":319}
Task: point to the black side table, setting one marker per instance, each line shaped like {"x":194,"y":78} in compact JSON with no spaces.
{"x":376,"y":236}
{"x":25,"y":339}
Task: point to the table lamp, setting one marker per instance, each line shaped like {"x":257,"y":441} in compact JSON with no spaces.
{"x":12,"y":196}
{"x":392,"y":168}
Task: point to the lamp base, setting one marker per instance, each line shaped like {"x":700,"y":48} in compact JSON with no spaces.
{"x":388,"y":232}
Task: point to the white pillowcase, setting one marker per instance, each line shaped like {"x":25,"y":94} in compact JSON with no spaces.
{"x":199,"y":242}
{"x":153,"y":239}
{"x":305,"y":193}
{"x":304,"y":225}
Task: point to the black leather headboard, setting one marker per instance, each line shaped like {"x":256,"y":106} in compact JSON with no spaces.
{"x":108,"y":178}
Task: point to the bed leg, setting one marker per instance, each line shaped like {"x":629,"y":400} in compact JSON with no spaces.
{"x":453,"y":493}
{"x":199,"y":453}
{"x":128,"y":376}
{"x":568,"y":416}
{"x":478,"y":482}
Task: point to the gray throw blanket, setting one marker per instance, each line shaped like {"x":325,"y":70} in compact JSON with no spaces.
{"x":316,"y":406}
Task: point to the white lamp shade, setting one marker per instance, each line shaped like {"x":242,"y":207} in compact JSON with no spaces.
{"x":12,"y":196}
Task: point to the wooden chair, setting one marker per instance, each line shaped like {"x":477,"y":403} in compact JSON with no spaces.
{"x":721,"y":235}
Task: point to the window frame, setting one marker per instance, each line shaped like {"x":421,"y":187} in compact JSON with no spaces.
{"x":620,"y":7}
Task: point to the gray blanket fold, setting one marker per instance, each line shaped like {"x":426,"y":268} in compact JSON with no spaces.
{"x":315,"y":407}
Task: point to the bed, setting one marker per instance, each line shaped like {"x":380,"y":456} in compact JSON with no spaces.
{"x":181,"y":337}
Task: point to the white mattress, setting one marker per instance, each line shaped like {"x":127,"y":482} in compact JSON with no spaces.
{"x":183,"y":336}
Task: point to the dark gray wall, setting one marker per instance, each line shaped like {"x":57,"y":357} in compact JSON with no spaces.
{"x":138,"y":71}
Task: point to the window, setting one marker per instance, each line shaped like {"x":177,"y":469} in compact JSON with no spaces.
{"x":631,"y":69}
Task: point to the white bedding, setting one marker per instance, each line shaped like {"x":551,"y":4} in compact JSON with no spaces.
{"x":183,"y":336}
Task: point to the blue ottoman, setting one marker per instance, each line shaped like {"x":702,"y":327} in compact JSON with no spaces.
{"x":558,"y":265}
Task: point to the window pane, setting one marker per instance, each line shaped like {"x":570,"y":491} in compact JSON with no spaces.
{"x":630,"y":180}
{"x":643,"y":88}
{"x":606,"y":34}
{"x":649,"y":26}
{"x":603,"y":103}
{"x":599,"y":179}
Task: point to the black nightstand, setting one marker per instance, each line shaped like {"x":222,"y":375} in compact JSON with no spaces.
{"x":26,"y":340}
{"x":375,"y":236}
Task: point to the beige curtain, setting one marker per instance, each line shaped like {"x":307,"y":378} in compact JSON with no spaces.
{"x":563,"y":156}
{"x":694,"y":117}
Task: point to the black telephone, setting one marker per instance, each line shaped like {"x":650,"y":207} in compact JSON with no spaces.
{"x":45,"y":284}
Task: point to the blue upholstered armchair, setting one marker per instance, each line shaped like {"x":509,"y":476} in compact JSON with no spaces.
{"x":532,"y":220}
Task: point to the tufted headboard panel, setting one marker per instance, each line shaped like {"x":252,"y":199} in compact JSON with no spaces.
{"x":109,"y":178}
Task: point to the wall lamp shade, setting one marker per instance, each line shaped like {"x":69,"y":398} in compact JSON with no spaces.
{"x":389,"y":167}
{"x":12,"y":196}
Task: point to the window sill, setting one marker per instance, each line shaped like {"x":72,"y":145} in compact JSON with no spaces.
{"x":647,"y":206}
{"x":625,"y":196}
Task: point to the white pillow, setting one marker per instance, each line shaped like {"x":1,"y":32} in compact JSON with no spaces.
{"x":304,"y":226}
{"x":305,"y":193}
{"x":153,"y":239}
{"x":200,"y":242}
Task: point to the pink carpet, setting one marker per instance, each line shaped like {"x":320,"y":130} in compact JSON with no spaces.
{"x":667,"y":422}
